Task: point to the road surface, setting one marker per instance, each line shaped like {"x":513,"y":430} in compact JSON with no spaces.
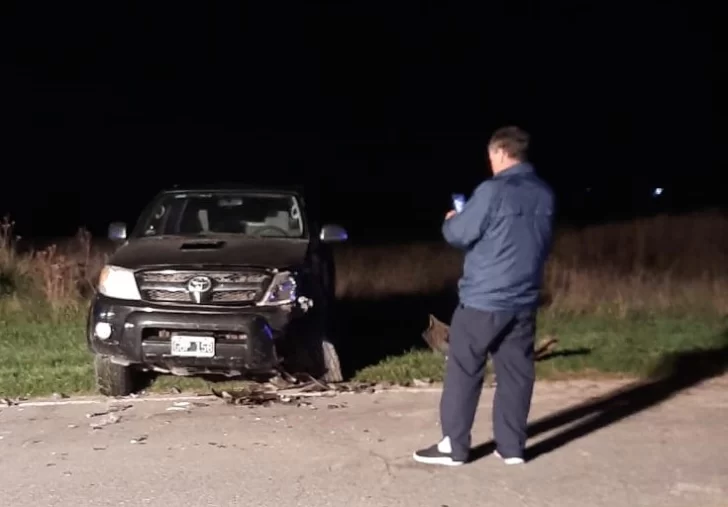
{"x":213,"y":454}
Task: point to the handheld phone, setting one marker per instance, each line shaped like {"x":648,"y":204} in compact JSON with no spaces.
{"x":458,"y":202}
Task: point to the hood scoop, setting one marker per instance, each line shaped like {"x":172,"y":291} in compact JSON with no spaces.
{"x":196,"y":246}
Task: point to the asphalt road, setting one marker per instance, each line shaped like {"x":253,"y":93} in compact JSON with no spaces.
{"x":359,"y":454}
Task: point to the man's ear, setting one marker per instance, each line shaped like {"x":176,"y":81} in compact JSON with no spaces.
{"x":500,"y":155}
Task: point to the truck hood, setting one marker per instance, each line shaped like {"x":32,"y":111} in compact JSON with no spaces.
{"x":210,"y":251}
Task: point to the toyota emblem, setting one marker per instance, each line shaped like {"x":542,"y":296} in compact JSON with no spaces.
{"x":199,"y":286}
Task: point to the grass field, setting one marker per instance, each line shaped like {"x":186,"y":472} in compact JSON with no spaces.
{"x":594,"y":347}
{"x":620,"y":298}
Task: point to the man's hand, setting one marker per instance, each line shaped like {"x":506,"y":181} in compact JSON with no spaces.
{"x":450,"y":214}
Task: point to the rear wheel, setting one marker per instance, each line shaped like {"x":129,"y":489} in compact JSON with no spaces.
{"x":114,"y":379}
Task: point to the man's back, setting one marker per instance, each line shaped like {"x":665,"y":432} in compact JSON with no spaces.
{"x":506,"y":229}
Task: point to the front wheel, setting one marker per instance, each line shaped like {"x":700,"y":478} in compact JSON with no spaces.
{"x":331,"y":363}
{"x":113,"y":379}
{"x":313,"y":355}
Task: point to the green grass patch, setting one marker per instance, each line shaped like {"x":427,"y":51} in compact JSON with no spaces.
{"x":41,"y":354}
{"x":588,"y":347}
{"x":39,"y":358}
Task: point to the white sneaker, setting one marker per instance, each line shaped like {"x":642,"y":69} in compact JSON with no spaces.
{"x":509,"y":461}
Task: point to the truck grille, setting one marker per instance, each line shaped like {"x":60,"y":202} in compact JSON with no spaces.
{"x":203,"y":287}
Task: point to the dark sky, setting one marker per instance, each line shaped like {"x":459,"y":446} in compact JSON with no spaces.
{"x":384,"y":107}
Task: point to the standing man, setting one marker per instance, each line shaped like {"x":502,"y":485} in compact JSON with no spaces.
{"x":505,"y":229}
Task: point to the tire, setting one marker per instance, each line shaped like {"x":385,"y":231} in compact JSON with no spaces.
{"x":332,"y":364}
{"x":113,"y":379}
{"x":314,"y":356}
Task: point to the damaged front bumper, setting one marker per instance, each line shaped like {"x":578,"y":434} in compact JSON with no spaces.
{"x":236,"y":341}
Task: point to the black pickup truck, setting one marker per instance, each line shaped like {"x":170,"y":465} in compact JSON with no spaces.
{"x":227,"y":280}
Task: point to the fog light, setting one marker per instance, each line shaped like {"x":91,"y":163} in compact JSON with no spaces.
{"x":103,"y":330}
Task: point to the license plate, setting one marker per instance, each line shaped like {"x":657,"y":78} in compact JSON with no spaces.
{"x":192,"y":346}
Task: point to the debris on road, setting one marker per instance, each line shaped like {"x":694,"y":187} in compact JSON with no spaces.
{"x":107,"y":420}
{"x":9,"y":402}
{"x":139,"y":440}
{"x":111,"y":410}
{"x":109,"y":416}
{"x":120,"y":408}
{"x":247,"y":397}
{"x":183,"y":406}
{"x":290,"y":389}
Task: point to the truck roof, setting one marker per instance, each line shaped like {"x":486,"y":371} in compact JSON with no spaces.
{"x":232,"y":187}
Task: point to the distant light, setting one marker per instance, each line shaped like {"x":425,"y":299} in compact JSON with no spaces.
{"x":658,"y":191}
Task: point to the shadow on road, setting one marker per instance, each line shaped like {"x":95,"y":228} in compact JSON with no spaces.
{"x":675,"y":373}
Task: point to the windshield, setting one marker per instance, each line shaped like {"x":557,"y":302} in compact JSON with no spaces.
{"x":249,"y":214}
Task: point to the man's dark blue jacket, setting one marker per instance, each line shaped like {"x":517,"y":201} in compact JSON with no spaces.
{"x":506,"y":230}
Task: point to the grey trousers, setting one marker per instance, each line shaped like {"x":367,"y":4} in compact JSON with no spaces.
{"x":509,"y":338}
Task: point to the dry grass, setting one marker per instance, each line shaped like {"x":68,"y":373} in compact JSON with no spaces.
{"x":61,"y":276}
{"x":667,"y":263}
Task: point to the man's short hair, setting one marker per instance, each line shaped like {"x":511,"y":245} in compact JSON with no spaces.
{"x":512,"y":140}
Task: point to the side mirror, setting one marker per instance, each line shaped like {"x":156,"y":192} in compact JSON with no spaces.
{"x":333,"y":234}
{"x":117,"y":231}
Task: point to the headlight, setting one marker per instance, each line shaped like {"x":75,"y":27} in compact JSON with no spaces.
{"x":282,"y":290}
{"x":118,"y":283}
